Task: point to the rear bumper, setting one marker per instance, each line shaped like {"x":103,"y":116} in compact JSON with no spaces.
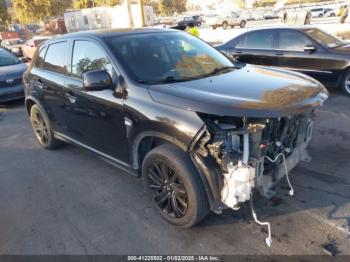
{"x":11,"y":93}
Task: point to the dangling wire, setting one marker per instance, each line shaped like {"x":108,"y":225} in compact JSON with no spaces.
{"x":268,"y":240}
{"x":291,"y":191}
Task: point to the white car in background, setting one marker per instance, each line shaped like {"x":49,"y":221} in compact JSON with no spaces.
{"x":231,"y":19}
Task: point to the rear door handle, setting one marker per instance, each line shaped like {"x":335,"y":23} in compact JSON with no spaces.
{"x":70,"y":96}
{"x":238,"y":52}
{"x":280,"y":53}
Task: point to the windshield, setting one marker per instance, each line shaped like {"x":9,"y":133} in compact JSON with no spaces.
{"x":324,"y":38}
{"x":164,"y":57}
{"x":15,"y":41}
{"x":7,"y":59}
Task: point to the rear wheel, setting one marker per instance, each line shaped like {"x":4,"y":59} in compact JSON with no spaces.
{"x":174,"y":186}
{"x":225,"y":25}
{"x":346,"y":82}
{"x":42,"y":129}
{"x":242,"y":24}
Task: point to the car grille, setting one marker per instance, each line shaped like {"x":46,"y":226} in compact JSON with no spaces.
{"x":11,"y":82}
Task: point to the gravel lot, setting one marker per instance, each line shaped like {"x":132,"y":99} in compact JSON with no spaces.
{"x":70,"y":202}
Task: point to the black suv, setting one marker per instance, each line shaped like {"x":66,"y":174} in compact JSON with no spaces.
{"x":200,"y":130}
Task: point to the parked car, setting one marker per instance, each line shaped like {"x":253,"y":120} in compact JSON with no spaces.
{"x":231,"y":19}
{"x":194,"y":125}
{"x":13,"y":45}
{"x":308,"y":50}
{"x":330,"y":12}
{"x":190,"y":19}
{"x":29,"y":47}
{"x":318,"y":12}
{"x":11,"y":71}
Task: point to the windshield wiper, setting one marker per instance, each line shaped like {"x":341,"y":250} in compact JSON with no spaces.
{"x":217,"y":70}
{"x":167,"y":80}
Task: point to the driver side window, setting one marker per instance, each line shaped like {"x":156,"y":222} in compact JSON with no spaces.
{"x":87,"y":57}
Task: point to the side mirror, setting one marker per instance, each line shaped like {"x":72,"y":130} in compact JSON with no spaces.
{"x":97,"y":80}
{"x":24,"y":60}
{"x":310,"y":48}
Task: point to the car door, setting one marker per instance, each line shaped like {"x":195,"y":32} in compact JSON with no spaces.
{"x":48,"y":78}
{"x":292,"y":56}
{"x":93,"y":118}
{"x":257,"y":47}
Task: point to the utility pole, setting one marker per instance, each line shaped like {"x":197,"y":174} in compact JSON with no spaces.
{"x":142,"y":14}
{"x":131,"y":19}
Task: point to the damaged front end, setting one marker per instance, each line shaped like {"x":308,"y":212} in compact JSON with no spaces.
{"x":237,"y":154}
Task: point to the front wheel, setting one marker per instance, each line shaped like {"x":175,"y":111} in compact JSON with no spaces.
{"x":224,"y":25}
{"x":242,"y":24}
{"x":174,"y":186}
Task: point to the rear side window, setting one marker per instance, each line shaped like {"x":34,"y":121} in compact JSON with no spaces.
{"x":87,"y":57}
{"x":39,"y":61}
{"x":292,"y":40}
{"x":259,"y":40}
{"x":55,"y":57}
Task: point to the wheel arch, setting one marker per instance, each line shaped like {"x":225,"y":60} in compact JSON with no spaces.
{"x":148,"y":140}
{"x":29,"y":102}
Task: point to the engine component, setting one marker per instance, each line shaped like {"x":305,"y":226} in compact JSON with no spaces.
{"x":237,"y":184}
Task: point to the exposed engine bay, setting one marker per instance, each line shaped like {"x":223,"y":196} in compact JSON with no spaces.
{"x":252,"y":153}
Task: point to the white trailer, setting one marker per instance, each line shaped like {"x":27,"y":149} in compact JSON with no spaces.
{"x":107,"y":17}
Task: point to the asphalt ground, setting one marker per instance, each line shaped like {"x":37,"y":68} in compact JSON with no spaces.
{"x":69,"y":201}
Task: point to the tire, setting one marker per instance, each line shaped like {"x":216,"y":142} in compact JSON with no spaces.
{"x":224,"y":25}
{"x":242,"y":24}
{"x":181,"y":178}
{"x":42,"y":129}
{"x":214,"y":27}
{"x":346,"y":79}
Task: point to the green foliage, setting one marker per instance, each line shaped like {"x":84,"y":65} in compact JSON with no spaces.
{"x":29,"y":11}
{"x":169,"y":7}
{"x":58,"y":7}
{"x":264,"y":3}
{"x":79,"y":4}
{"x":4,"y":15}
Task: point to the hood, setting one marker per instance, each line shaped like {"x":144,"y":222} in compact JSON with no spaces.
{"x":344,"y":49}
{"x":12,"y":71}
{"x":251,"y":91}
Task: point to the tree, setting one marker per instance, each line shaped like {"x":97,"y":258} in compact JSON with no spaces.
{"x":58,"y":7}
{"x":4,"y":15}
{"x":79,"y":4}
{"x":169,"y":7}
{"x":29,"y":11}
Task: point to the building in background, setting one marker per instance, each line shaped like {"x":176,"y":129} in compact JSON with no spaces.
{"x":107,"y":17}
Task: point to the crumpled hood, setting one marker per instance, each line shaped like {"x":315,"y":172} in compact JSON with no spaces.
{"x":251,"y":91}
{"x":12,"y":71}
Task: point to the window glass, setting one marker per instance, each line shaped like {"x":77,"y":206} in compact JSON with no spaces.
{"x":155,"y":58}
{"x":39,"y":61}
{"x":7,"y":58}
{"x":241,"y":44}
{"x":260,"y":40}
{"x":87,"y":57}
{"x":55,"y":57}
{"x":324,"y":38}
{"x":292,"y":40}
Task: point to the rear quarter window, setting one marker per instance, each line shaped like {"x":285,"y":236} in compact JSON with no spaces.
{"x":55,"y":57}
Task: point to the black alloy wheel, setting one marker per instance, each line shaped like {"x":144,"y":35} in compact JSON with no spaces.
{"x":169,"y":192}
{"x":39,"y":126}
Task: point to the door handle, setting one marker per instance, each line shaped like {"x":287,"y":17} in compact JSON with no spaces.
{"x":70,"y":96}
{"x":280,"y":53}
{"x":40,"y":85}
{"x":238,"y":52}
